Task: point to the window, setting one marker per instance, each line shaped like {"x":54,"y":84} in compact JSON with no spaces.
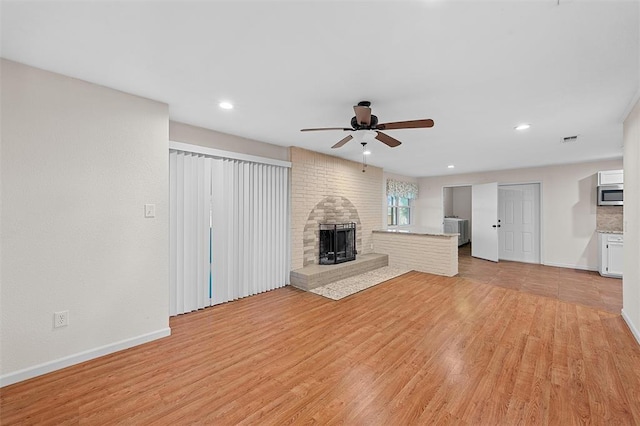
{"x":398,"y":211}
{"x":399,"y":196}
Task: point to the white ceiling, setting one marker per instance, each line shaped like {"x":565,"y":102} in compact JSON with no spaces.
{"x":477,"y":68}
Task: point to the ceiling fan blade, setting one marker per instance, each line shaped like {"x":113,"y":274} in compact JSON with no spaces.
{"x":411,"y":124}
{"x":342,"y":142}
{"x":346,"y":129}
{"x":387,"y":140}
{"x":363,"y":114}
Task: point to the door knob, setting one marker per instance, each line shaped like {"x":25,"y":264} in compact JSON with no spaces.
{"x":493,"y":226}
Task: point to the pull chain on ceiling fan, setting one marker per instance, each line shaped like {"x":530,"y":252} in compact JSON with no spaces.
{"x":364,"y":120}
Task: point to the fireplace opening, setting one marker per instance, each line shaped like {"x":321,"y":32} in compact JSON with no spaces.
{"x":337,"y":243}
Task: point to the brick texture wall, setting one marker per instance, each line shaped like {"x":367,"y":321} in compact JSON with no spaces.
{"x":425,"y":253}
{"x":326,"y":189}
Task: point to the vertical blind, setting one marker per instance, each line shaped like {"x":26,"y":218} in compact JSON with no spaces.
{"x":229,"y":233}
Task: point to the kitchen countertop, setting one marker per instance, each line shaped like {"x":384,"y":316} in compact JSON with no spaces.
{"x":601,"y":231}
{"x":435,"y":232}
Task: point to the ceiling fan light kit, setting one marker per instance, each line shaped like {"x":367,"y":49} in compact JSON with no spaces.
{"x":364,"y":155}
{"x":365,"y":127}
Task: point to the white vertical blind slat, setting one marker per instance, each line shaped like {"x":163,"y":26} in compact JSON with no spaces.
{"x":181,"y":231}
{"x":233,"y":284}
{"x":204,"y":204}
{"x":258,"y":260}
{"x":173,"y":233}
{"x":190,"y":211}
{"x":281,"y":230}
{"x":219,"y":233}
{"x":246,"y":225}
{"x":270,"y":231}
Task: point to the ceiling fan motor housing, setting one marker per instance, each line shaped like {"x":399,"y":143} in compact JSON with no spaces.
{"x":372,"y":123}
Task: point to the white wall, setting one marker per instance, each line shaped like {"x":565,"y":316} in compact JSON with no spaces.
{"x":447,"y":201}
{"x":79,"y":161}
{"x":180,"y":132}
{"x":462,"y":204}
{"x":568,"y":198}
{"x":631,"y":280}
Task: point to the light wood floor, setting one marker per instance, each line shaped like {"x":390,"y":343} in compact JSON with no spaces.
{"x":571,"y":285}
{"x":418,"y":349}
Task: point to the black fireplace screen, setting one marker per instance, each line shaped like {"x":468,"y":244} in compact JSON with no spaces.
{"x":337,"y":243}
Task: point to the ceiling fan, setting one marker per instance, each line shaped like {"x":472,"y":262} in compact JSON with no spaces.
{"x":364,"y":120}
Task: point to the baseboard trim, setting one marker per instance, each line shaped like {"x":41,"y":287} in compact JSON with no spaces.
{"x":564,"y":265}
{"x":58,"y":364}
{"x":633,"y":329}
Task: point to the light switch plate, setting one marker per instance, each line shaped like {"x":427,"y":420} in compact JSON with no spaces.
{"x":149,"y":210}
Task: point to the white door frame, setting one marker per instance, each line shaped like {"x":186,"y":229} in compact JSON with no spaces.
{"x":534,"y":226}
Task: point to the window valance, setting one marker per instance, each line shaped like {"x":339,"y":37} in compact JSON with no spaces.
{"x":402,"y":189}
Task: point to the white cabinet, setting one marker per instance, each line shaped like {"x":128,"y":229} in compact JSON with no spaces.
{"x":610,"y":252}
{"x":610,"y":177}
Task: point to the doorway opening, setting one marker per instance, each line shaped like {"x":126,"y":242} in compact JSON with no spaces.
{"x":457,"y":212}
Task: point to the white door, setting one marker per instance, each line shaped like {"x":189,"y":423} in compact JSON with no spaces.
{"x":519,"y":220}
{"x":484,"y":216}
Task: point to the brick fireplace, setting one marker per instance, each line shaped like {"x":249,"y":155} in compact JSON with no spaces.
{"x":326,"y":189}
{"x":330,"y":210}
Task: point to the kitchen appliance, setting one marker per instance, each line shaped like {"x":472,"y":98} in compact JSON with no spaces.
{"x":457,"y":226}
{"x":610,"y":195}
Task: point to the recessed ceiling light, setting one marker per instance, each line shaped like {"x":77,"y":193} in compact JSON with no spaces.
{"x":522,"y":126}
{"x":450,"y":166}
{"x":225,"y":105}
{"x":367,"y":152}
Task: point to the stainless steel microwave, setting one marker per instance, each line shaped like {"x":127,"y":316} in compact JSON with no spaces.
{"x":610,"y":195}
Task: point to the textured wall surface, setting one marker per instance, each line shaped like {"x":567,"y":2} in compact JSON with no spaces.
{"x":186,"y":133}
{"x":425,"y":253}
{"x":326,"y":189}
{"x":79,"y":162}
{"x":631,"y":278}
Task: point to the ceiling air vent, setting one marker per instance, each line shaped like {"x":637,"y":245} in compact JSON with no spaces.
{"x":570,"y":139}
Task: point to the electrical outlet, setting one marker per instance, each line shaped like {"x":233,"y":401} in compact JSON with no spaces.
{"x":61,"y":319}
